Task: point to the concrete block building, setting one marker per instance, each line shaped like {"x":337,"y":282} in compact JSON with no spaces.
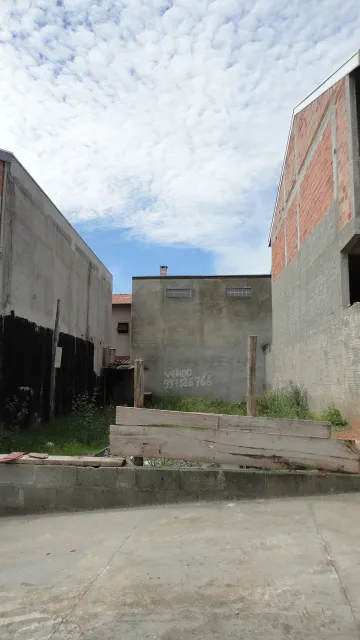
{"x":315,"y":242}
{"x":43,"y":259}
{"x":192,"y":332}
{"x":121,"y":326}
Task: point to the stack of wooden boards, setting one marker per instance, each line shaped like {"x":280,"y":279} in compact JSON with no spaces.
{"x":231,"y":439}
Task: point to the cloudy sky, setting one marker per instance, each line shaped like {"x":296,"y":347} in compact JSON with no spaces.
{"x":158,"y":127}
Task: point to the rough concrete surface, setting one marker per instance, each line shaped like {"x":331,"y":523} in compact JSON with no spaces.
{"x":27,"y":488}
{"x":274,"y":570}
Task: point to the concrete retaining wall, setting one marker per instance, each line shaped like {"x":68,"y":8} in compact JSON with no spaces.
{"x":36,"y":488}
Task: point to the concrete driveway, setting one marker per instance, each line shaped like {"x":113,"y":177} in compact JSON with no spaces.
{"x":279,"y":569}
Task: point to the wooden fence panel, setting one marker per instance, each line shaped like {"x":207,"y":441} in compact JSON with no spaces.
{"x":142,"y":417}
{"x":131,"y":416}
{"x":231,"y":446}
{"x":279,"y":426}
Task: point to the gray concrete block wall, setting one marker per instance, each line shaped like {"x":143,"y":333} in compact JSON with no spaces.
{"x":198,"y":346}
{"x":44,"y":259}
{"x":38,"y":488}
{"x":351,"y":363}
{"x":316,"y":339}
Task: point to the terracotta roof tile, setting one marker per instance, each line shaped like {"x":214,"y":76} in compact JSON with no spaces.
{"x":122,"y":359}
{"x":121,"y":298}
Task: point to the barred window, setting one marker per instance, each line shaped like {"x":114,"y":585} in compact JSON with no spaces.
{"x":178,"y":293}
{"x":239,"y":292}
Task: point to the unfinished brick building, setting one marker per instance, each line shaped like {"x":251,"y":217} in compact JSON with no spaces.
{"x":315,"y":241}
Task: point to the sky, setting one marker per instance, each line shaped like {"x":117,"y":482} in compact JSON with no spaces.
{"x":158,"y":127}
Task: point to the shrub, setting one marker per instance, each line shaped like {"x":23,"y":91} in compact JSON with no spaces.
{"x":333,"y":415}
{"x":285,"y":403}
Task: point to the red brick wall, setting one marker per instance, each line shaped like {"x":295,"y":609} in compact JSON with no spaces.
{"x":317,"y":186}
{"x":291,"y":231}
{"x":308,"y":174}
{"x":342,"y":155}
{"x":308,"y":122}
{"x":278,"y":254}
{"x":279,"y":206}
{"x":290,"y":167}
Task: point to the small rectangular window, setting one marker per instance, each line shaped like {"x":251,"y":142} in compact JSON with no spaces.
{"x":239,"y":292}
{"x":123,"y":327}
{"x":354,"y":277}
{"x":178,"y":293}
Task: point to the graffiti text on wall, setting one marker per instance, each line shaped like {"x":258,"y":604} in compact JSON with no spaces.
{"x":177,"y":378}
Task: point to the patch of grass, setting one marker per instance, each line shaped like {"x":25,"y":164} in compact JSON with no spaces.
{"x":291,"y":402}
{"x":84,"y":431}
{"x":278,"y":403}
{"x":172,"y":402}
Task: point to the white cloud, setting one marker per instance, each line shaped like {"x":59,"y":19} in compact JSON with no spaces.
{"x":166,"y":118}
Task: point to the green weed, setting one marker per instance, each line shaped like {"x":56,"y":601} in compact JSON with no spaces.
{"x":333,"y":415}
{"x":172,"y":402}
{"x":84,"y":431}
{"x":291,"y":402}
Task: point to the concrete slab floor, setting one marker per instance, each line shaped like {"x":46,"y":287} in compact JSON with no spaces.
{"x":274,"y":570}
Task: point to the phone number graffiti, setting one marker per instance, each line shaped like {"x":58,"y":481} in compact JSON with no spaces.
{"x":180,"y":378}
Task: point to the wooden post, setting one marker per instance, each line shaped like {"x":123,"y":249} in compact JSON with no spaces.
{"x":139,"y":396}
{"x":55,"y":339}
{"x":251,"y":376}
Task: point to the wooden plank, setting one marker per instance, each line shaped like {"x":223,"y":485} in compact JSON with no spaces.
{"x":12,"y":457}
{"x":55,"y":339}
{"x":74,"y":461}
{"x":39,"y":456}
{"x":145,"y":417}
{"x":308,"y":428}
{"x":251,"y":377}
{"x":234,"y":447}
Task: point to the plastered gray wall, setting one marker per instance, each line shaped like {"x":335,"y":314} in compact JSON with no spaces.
{"x":43,"y":259}
{"x":198,"y":346}
{"x":307,"y":343}
{"x":121,"y":341}
{"x":316,"y":334}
